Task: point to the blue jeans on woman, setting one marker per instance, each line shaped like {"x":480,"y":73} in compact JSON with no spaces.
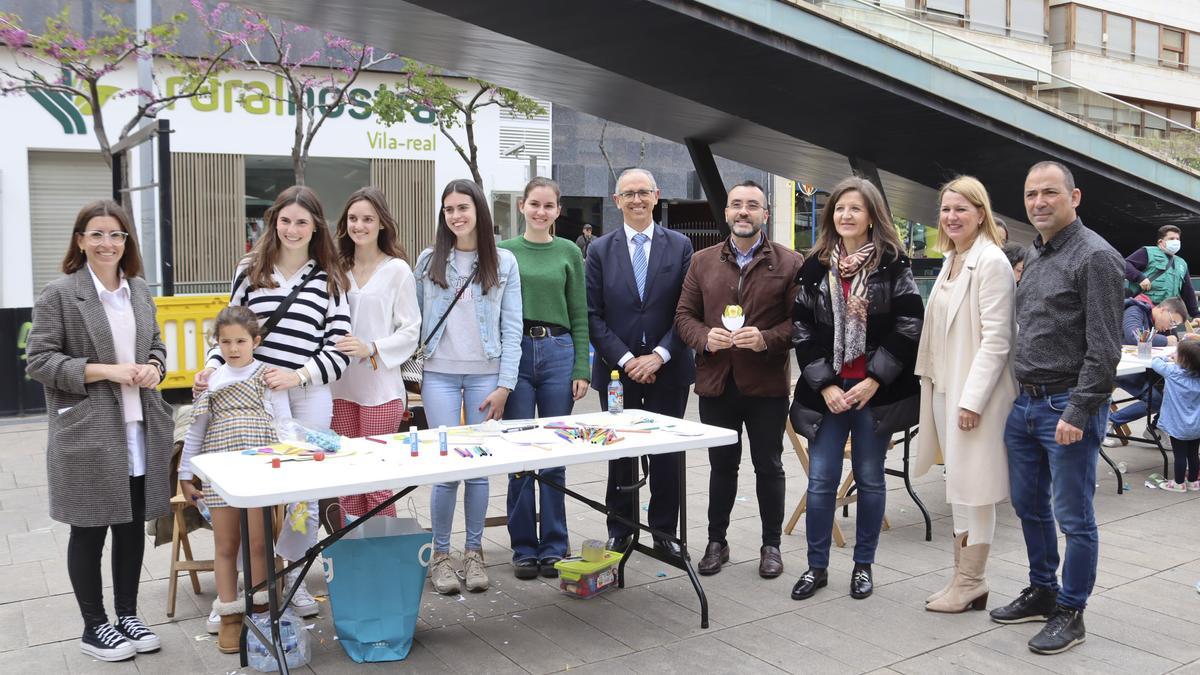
{"x":444,"y":395}
{"x":544,"y":383}
{"x":825,"y":457}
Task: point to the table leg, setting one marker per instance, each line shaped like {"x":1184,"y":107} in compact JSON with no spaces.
{"x":683,"y":549}
{"x":906,"y":474}
{"x":303,"y":564}
{"x":248,"y":592}
{"x":275,"y":608}
{"x":685,"y":564}
{"x":1115,"y":470}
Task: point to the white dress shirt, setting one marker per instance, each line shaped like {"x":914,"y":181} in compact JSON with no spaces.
{"x":124,"y":335}
{"x":649,"y":232}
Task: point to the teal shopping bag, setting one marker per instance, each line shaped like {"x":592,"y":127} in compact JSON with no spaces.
{"x":375,"y":575}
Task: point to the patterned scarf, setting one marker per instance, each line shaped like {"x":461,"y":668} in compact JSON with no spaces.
{"x":849,"y":314}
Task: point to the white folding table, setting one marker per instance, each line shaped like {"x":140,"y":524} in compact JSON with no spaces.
{"x":363,"y":465}
{"x":1131,"y":364}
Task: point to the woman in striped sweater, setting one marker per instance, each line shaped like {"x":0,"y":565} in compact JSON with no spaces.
{"x":300,"y":350}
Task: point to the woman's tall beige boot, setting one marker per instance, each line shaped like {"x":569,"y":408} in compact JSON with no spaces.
{"x":960,"y":541}
{"x":969,"y":588}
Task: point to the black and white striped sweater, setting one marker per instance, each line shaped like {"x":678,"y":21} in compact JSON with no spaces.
{"x":305,"y":336}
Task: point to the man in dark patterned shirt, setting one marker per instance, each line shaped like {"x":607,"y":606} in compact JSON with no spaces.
{"x":1068,"y":344}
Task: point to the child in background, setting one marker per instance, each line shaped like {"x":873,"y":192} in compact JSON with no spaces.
{"x":1181,"y":413}
{"x":236,"y":411}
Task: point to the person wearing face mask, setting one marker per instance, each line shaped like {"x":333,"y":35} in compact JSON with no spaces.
{"x":1160,"y":273}
{"x":741,"y":368}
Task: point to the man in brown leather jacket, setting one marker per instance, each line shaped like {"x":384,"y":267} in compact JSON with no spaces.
{"x":742,"y":373}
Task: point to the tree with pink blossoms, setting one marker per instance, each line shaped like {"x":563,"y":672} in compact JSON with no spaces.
{"x":317,"y":79}
{"x":73,"y":69}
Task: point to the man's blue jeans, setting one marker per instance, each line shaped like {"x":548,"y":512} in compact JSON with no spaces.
{"x":1136,"y":386}
{"x":826,"y":454}
{"x":544,"y":383}
{"x":1040,"y":470}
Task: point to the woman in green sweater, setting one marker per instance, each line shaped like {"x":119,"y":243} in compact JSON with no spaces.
{"x":554,"y":370}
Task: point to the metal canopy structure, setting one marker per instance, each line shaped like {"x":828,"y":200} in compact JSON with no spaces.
{"x":778,"y":86}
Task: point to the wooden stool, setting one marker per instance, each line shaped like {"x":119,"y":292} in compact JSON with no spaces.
{"x":844,"y":496}
{"x":1122,"y":431}
{"x":179,"y":540}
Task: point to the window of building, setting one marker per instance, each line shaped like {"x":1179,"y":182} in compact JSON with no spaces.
{"x":989,"y":16}
{"x":1089,"y":30}
{"x":1172,"y":48}
{"x":1193,"y":50}
{"x":954,"y":7}
{"x":1119,"y":31}
{"x":1027,"y":18}
{"x":333,"y":179}
{"x":1059,"y":37}
{"x":1146,"y":43}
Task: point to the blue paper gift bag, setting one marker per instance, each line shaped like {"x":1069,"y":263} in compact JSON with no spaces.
{"x":375,"y":575}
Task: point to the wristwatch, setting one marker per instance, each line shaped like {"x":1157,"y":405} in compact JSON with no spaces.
{"x":162,"y":370}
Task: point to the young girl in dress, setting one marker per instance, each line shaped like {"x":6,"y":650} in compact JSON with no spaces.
{"x":1180,"y":416}
{"x":385,"y":325}
{"x":237,"y":411}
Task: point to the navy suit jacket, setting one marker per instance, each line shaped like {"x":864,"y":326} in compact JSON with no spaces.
{"x":617,"y":318}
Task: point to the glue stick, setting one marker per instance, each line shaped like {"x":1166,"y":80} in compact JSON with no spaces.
{"x":414,"y":444}
{"x":443,"y":448}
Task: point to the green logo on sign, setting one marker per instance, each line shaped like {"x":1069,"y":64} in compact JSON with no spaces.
{"x":68,"y":112}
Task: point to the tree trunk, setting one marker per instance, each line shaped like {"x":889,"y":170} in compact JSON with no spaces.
{"x":473,"y":161}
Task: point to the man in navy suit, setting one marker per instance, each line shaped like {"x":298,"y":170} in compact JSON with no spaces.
{"x":634,"y":277}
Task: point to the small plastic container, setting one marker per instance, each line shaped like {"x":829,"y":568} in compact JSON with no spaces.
{"x":582,"y":579}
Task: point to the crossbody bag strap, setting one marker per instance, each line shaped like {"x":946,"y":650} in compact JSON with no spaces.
{"x":453,"y":302}
{"x":282,"y":309}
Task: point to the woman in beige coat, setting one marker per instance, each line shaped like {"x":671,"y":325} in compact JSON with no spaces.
{"x":967,"y":383}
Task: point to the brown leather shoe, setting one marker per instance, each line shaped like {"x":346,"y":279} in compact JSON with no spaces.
{"x":715,"y":555}
{"x":770,"y":562}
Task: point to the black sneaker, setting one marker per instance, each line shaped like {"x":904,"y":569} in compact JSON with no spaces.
{"x":809,"y":582}
{"x":547,"y":567}
{"x":526,"y":568}
{"x":1035,"y":603}
{"x":133,"y":630}
{"x":104,"y":643}
{"x":1063,"y":631}
{"x":862,"y":585}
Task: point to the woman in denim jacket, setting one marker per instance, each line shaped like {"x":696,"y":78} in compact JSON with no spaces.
{"x":471,"y":360}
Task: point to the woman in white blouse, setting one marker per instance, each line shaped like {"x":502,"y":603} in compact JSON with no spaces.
{"x":385,"y":326}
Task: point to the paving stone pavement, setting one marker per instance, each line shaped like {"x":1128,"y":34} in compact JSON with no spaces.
{"x":1143,"y":618}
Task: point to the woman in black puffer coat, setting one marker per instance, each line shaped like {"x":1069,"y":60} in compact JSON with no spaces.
{"x":856,"y":324}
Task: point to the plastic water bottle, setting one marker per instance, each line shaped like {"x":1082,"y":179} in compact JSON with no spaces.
{"x":295,"y":643}
{"x":203,"y":509}
{"x":616,"y":394}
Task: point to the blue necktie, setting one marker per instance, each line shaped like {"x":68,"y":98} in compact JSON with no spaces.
{"x":639,"y":263}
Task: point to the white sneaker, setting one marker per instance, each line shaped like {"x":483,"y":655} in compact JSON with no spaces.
{"x":213,"y":624}
{"x":303,"y":602}
{"x":1110,"y":442}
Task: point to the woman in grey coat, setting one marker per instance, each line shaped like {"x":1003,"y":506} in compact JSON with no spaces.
{"x":95,"y":348}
